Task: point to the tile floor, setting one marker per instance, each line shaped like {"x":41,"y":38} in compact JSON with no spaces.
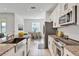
{"x":34,"y":51}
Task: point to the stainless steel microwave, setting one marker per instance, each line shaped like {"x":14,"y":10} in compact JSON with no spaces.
{"x":69,"y":18}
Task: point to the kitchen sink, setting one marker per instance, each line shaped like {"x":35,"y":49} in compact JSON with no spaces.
{"x":14,"y":41}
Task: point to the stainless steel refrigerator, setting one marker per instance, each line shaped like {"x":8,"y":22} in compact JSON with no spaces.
{"x":48,"y":30}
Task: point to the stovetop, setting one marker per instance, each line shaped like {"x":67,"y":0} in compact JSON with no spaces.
{"x":67,"y":41}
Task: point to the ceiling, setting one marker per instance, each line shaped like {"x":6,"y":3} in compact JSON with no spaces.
{"x":24,"y":9}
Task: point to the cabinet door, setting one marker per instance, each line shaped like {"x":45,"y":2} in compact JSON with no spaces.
{"x":21,"y":52}
{"x":78,"y":14}
{"x":55,"y":16}
{"x":29,"y":44}
{"x":50,"y":41}
{"x":61,"y":9}
{"x":9,"y":53}
{"x":49,"y":46}
{"x":66,"y":7}
{"x":70,"y":5}
{"x":54,"y":48}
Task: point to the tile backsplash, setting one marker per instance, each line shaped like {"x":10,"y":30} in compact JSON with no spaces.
{"x":72,"y":31}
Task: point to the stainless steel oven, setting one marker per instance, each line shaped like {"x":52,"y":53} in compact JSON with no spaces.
{"x":59,"y":48}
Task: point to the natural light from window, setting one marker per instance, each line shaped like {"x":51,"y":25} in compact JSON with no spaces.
{"x":35,"y":26}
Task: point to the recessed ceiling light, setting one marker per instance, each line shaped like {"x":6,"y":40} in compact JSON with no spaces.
{"x":33,"y":7}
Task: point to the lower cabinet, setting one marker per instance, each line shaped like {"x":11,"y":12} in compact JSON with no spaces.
{"x":21,"y":48}
{"x":67,"y":53}
{"x":29,"y":44}
{"x":9,"y":53}
{"x":54,"y":48}
{"x":51,"y":46}
{"x":20,"y":52}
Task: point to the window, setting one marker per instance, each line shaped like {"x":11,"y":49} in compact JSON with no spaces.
{"x":3,"y":27}
{"x":35,"y":27}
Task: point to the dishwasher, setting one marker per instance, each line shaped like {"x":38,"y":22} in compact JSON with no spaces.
{"x":20,"y":48}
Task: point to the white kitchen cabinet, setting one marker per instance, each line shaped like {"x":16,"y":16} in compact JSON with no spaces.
{"x":29,"y":44}
{"x":61,"y":5}
{"x":20,"y":52}
{"x":78,"y":14}
{"x":11,"y":52}
{"x":70,"y":5}
{"x":62,"y":9}
{"x":26,"y":48}
{"x":67,"y":53}
{"x":21,"y":48}
{"x":54,"y":48}
{"x":55,"y":16}
{"x":59,"y":11}
{"x":66,"y":7}
{"x":51,"y":45}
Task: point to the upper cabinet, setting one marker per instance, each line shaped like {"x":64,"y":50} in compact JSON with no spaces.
{"x":65,"y":14}
{"x":68,"y":14}
{"x":78,"y":14}
{"x":55,"y":16}
{"x":66,"y":7}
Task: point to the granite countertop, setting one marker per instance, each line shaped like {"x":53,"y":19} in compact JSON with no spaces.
{"x":71,"y":45}
{"x":73,"y":49}
{"x":65,"y":41}
{"x":5,"y":47}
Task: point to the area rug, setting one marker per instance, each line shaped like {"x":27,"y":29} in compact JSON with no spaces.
{"x":41,"y":46}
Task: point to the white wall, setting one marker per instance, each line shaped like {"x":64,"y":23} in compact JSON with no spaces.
{"x":29,"y":23}
{"x":27,"y":26}
{"x":12,"y":19}
{"x":72,"y":31}
{"x":9,"y":18}
{"x":18,"y":20}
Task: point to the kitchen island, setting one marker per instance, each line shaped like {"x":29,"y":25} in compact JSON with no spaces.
{"x":16,"y":47}
{"x":4,"y":48}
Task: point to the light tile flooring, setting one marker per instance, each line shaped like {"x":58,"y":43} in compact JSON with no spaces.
{"x":34,"y":51}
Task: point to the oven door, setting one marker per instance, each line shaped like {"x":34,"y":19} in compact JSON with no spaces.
{"x":59,"y":49}
{"x":59,"y":52}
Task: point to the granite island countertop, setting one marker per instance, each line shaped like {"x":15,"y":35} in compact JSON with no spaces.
{"x":5,"y":48}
